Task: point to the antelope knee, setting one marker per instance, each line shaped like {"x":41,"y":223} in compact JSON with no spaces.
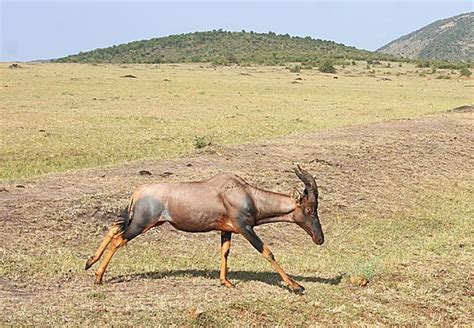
{"x":266,"y":253}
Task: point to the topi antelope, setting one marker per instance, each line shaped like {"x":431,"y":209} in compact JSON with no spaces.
{"x":226,"y":203}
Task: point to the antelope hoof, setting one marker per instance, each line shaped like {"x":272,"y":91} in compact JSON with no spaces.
{"x":298,"y":289}
{"x":88,"y":263}
{"x":98,"y":280}
{"x":227,"y":283}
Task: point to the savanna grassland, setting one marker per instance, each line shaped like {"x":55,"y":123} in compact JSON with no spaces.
{"x":392,"y":158}
{"x":58,"y":117}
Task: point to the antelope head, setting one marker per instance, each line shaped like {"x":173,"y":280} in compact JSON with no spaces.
{"x":306,"y":215}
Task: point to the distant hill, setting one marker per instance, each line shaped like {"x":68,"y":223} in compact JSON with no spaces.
{"x":221,"y":47}
{"x":447,"y":39}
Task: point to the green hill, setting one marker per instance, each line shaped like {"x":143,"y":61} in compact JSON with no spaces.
{"x":221,"y":47}
{"x":448,"y":39}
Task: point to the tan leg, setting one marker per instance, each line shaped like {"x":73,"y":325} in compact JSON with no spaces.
{"x":256,"y":242}
{"x":117,"y":242}
{"x":114,"y":230}
{"x":225,"y":249}
{"x":294,"y":286}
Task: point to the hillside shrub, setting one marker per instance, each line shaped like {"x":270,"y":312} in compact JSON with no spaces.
{"x":327,"y":67}
{"x":422,"y":64}
{"x":465,"y":72}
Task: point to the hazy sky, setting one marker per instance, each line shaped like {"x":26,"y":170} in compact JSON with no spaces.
{"x":32,"y":30}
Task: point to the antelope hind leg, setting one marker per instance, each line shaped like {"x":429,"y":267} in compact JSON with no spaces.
{"x":114,"y":230}
{"x":116,"y":242}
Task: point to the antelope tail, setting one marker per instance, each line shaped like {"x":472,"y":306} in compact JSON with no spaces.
{"x":124,"y":218}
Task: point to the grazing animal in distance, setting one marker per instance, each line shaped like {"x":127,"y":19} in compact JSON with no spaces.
{"x":225,"y":202}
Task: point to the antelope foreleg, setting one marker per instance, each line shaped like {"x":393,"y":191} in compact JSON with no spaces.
{"x":114,"y":230}
{"x":225,"y":249}
{"x":256,"y":242}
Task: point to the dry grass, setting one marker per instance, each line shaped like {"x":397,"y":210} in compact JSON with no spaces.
{"x":57,"y":117}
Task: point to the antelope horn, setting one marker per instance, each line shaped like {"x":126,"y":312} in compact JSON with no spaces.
{"x":309,"y":182}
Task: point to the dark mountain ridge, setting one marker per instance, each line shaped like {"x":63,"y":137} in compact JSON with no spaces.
{"x":223,"y":47}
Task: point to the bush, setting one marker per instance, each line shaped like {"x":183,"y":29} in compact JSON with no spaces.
{"x":465,"y":72}
{"x":422,"y":64}
{"x":295,"y":69}
{"x":327,"y":67}
{"x":201,"y":142}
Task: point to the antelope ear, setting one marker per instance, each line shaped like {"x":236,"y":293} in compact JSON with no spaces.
{"x":297,"y":195}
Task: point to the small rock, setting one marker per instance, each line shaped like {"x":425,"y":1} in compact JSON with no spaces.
{"x":144,"y":172}
{"x":195,"y":313}
{"x":20,"y":186}
{"x":359,"y":281}
{"x":165,"y":174}
{"x":129,"y":76}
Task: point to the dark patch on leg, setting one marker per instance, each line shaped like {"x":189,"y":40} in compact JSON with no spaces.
{"x":255,"y":240}
{"x":226,"y":236}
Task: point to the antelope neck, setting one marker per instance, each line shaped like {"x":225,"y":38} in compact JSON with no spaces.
{"x":273,"y":207}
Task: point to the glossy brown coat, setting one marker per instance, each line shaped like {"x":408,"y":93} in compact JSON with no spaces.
{"x":226,"y":203}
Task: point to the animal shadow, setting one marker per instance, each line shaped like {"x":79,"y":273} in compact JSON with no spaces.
{"x":267,"y":277}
